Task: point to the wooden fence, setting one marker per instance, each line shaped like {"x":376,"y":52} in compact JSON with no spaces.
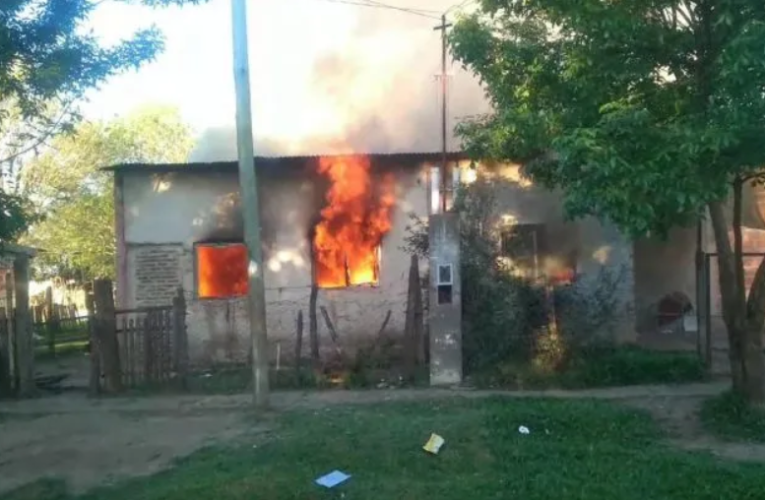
{"x":59,"y":327}
{"x":9,"y":373}
{"x":138,"y":348}
{"x":60,"y":335}
{"x":46,"y":313}
{"x":148,"y":342}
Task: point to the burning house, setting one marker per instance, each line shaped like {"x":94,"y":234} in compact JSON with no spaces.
{"x":336,"y":223}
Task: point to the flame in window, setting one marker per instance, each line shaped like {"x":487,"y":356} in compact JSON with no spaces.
{"x":353,"y":223}
{"x":221,"y":271}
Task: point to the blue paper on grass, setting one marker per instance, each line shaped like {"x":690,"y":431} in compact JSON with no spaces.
{"x":333,"y":479}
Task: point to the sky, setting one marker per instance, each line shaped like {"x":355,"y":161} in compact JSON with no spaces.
{"x":325,"y":76}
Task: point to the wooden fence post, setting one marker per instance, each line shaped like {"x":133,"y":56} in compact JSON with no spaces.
{"x":25,"y":354}
{"x":419,"y":317}
{"x":106,"y":332}
{"x":180,"y":339}
{"x":10,"y":314}
{"x":94,"y":385}
{"x":149,"y":350}
{"x":5,"y":357}
{"x":413,"y":338}
{"x":313,"y":327}
{"x":50,"y":327}
{"x":299,"y":345}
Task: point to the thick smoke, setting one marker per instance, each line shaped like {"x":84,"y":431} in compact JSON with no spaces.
{"x":381,"y":87}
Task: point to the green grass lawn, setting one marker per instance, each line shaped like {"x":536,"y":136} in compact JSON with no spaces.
{"x":728,"y":416}
{"x":576,"y":450}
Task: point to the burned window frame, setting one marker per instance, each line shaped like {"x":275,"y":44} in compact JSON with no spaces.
{"x":195,"y":259}
{"x":508,"y":247}
{"x":348,"y":284}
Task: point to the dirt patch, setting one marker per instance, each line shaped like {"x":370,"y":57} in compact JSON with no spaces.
{"x":92,"y":448}
{"x":679,"y":417}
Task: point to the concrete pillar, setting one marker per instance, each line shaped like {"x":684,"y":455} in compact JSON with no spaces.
{"x":10,"y":314}
{"x":445,"y":300}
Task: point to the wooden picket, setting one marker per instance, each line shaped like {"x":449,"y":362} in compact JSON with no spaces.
{"x":140,"y":348}
{"x":151,"y":348}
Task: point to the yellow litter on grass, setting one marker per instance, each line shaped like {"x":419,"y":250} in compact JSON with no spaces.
{"x":434,"y":444}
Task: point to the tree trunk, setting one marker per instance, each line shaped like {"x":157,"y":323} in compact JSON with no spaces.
{"x":736,"y":335}
{"x":744,"y":318}
{"x":106,"y":332}
{"x":754,"y":367}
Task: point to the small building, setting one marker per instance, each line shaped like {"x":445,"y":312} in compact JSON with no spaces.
{"x":340,"y":223}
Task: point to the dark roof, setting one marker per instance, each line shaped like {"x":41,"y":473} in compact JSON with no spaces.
{"x":13,"y":249}
{"x":279,"y":161}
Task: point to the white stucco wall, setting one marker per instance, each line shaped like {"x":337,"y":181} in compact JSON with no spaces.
{"x":662,"y":267}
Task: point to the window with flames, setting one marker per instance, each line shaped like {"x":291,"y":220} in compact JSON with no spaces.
{"x":221,"y":270}
{"x":524,"y":245}
{"x":527,"y":248}
{"x":356,"y":217}
{"x":339,"y":269}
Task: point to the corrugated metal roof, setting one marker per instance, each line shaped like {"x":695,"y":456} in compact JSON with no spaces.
{"x":274,"y":161}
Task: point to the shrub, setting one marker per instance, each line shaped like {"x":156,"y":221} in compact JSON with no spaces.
{"x":586,"y":312}
{"x":500,"y":311}
{"x":505,"y":317}
{"x":598,"y":365}
{"x":605,"y":364}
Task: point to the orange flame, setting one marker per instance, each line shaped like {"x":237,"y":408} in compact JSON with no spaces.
{"x":222,"y":271}
{"x":357,"y":216}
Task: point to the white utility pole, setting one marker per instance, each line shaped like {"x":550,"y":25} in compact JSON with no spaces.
{"x":249,"y":202}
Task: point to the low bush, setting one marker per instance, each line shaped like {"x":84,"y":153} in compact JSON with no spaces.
{"x":598,"y":365}
{"x":511,"y":324}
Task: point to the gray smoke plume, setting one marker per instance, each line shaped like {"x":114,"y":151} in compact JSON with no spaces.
{"x":406,"y":115}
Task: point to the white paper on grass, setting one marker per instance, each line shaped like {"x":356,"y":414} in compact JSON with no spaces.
{"x":524,"y":430}
{"x":333,"y":479}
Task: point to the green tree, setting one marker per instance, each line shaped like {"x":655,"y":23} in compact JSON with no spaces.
{"x":47,"y":63}
{"x":73,"y":199}
{"x":647,"y":113}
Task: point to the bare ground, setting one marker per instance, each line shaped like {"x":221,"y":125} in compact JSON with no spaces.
{"x":91,"y":442}
{"x":679,"y":417}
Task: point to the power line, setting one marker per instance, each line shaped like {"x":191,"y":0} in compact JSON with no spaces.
{"x":459,"y":6}
{"x":380,"y":5}
{"x":425,"y":11}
